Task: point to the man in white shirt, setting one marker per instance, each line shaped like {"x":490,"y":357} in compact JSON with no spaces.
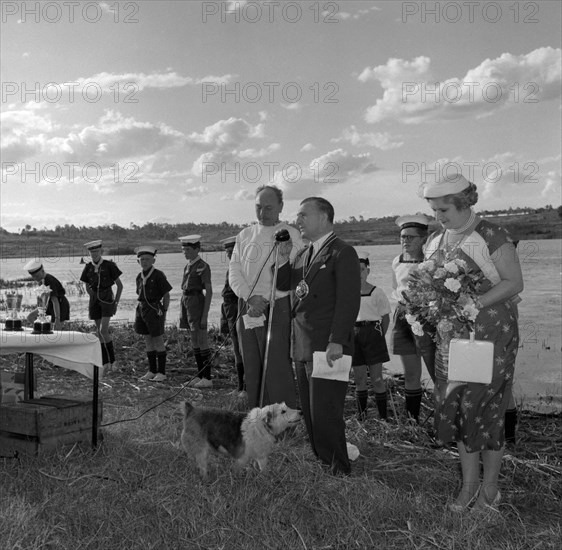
{"x":251,"y":279}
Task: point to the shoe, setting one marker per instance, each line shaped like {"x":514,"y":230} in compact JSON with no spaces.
{"x":204,"y":383}
{"x":243,"y":394}
{"x":115,"y":366}
{"x":485,"y":506}
{"x":458,"y":508}
{"x":159,"y":377}
{"x":148,"y":376}
{"x":193,"y":381}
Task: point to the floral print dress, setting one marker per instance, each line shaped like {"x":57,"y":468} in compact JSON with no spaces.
{"x":469,"y":412}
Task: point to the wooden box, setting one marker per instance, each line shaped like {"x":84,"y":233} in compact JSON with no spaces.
{"x":40,"y":425}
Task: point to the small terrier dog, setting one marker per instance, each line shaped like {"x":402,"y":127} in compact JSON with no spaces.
{"x":247,"y":437}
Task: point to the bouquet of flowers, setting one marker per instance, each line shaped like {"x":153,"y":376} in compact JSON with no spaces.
{"x":442,"y":296}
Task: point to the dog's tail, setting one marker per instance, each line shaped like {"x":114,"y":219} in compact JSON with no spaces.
{"x":187,"y":408}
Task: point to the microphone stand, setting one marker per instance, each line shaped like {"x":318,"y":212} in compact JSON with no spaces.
{"x":269,"y":323}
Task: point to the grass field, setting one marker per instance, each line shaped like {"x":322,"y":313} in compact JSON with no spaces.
{"x":138,"y":490}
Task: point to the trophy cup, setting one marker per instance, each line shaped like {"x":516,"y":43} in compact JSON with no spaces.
{"x":13,"y":320}
{"x":41,"y":325}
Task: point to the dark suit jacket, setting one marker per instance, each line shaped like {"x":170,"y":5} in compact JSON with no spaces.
{"x":329,"y":311}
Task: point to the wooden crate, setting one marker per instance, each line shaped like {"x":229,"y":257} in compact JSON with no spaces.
{"x":40,"y":425}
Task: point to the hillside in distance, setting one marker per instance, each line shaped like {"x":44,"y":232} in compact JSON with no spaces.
{"x":68,"y":240}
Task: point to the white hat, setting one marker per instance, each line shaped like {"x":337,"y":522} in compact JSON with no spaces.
{"x":229,"y":241}
{"x":145,"y":250}
{"x":449,"y":185}
{"x":189,"y":240}
{"x":419,"y":220}
{"x":33,"y":266}
{"x":363,"y":256}
{"x":93,"y":245}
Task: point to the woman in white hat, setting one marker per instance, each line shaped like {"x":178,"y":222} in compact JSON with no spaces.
{"x":471,"y":414}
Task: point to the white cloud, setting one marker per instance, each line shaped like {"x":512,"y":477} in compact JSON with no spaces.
{"x":383,"y":141}
{"x":199,"y":191}
{"x":333,"y":168}
{"x":221,"y":144}
{"x":116,"y":137}
{"x":412,"y":94}
{"x":307,"y":147}
{"x":112,"y":83}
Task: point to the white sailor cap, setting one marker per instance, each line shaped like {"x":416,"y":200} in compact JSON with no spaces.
{"x":33,"y":266}
{"x":228,"y":242}
{"x":449,"y":185}
{"x":190,"y":240}
{"x":363,"y":256}
{"x":419,"y":220}
{"x":145,"y":250}
{"x":93,"y":245}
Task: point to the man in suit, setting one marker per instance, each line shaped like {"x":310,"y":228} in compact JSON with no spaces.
{"x":326,"y":284}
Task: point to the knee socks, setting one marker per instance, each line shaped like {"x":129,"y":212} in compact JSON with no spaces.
{"x":381,"y":401}
{"x":240,"y":373}
{"x":206,"y":364}
{"x":107,"y":352}
{"x":161,"y":357}
{"x":361,"y":397}
{"x":510,"y":425}
{"x":151,"y":360}
{"x":413,"y":403}
{"x":197,"y":353}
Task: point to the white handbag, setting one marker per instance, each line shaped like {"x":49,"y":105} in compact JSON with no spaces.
{"x":471,"y":360}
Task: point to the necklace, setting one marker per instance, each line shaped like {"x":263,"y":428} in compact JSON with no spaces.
{"x":468,"y":223}
{"x":303,"y":289}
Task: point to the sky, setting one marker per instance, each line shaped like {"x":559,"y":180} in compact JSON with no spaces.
{"x":176,"y":111}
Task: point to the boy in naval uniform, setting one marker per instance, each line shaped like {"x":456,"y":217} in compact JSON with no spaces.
{"x":410,"y":348}
{"x":229,"y":316}
{"x":100,"y":275}
{"x":153,"y":290}
{"x":58,"y":307}
{"x":197,"y":292}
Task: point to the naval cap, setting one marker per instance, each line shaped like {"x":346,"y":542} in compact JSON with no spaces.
{"x":418,"y":220}
{"x":228,"y":242}
{"x":145,"y":250}
{"x":190,"y":240}
{"x":93,"y":245}
{"x":33,"y":266}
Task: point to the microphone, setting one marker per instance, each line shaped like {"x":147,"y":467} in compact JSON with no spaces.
{"x":282,"y":235}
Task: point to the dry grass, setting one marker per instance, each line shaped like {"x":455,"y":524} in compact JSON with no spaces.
{"x":139,"y":491}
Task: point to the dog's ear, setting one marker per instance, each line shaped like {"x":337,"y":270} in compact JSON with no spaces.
{"x":268,"y":419}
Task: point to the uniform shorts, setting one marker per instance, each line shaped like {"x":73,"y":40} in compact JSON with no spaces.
{"x":98,"y":308}
{"x":191,"y":310}
{"x":147,"y":320}
{"x":369,"y":345}
{"x":403,"y":340}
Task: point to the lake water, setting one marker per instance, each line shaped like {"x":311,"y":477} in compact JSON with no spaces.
{"x":538,"y":378}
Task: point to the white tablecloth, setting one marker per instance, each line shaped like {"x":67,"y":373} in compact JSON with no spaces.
{"x":77,"y":351}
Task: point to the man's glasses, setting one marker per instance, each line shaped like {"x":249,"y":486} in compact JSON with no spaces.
{"x":409,"y":238}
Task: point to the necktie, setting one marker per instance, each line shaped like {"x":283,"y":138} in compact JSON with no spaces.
{"x":310,"y":254}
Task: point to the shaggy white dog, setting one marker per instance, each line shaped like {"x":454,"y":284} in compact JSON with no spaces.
{"x":247,"y":437}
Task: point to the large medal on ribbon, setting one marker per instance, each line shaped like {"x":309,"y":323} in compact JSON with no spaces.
{"x":302,"y":290}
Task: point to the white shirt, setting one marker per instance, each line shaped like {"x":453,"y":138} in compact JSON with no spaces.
{"x":373,"y":306}
{"x":317,"y":244}
{"x":252,"y":247}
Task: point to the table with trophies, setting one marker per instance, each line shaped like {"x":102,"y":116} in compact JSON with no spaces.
{"x":77,"y":351}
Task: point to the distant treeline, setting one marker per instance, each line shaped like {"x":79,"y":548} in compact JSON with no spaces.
{"x":68,"y":240}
